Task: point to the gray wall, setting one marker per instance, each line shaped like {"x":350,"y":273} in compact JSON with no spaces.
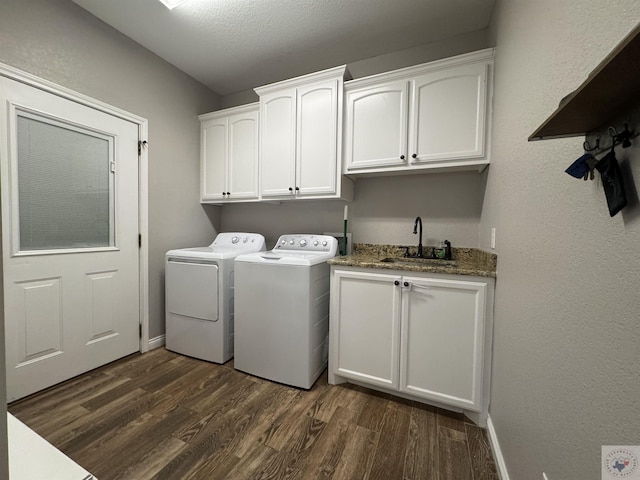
{"x":384,"y":208}
{"x":567,"y":333}
{"x":383,"y":211}
{"x":59,"y":41}
{"x":403,"y":58}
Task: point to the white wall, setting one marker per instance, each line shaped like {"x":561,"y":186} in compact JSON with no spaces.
{"x":567,"y":332}
{"x":59,"y":41}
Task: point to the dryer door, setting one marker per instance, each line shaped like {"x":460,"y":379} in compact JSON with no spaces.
{"x":192,"y":288}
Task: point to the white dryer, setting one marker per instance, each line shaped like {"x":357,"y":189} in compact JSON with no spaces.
{"x":282,"y":310}
{"x":199,"y":291}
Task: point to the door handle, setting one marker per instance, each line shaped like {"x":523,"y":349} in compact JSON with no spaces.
{"x":418,"y":288}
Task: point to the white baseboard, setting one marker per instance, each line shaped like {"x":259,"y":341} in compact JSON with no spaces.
{"x":501,"y":466}
{"x":156,"y":342}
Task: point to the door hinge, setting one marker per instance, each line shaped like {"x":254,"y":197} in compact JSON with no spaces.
{"x":139,"y":240}
{"x":141,"y":143}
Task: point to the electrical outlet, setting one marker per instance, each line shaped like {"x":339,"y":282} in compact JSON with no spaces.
{"x":493,"y":238}
{"x":544,"y":476}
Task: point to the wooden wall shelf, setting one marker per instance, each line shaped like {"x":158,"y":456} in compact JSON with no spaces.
{"x":608,"y":92}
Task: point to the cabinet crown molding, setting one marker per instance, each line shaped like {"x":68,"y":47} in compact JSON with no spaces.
{"x":229,"y":111}
{"x":330,"y":73}
{"x":485,"y":56}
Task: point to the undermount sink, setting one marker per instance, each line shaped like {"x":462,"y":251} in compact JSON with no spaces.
{"x":436,"y":262}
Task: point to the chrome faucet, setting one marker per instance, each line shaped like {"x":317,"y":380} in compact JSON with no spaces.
{"x":415,"y":231}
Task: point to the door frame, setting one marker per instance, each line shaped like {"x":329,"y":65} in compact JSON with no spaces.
{"x":15,"y":74}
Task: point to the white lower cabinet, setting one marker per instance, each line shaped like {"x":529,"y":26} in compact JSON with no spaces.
{"x":442,"y":332}
{"x":424,"y":336}
{"x":366,"y":332}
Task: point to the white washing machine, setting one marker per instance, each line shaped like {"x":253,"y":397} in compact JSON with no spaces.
{"x":282,"y":310}
{"x":199,"y":286}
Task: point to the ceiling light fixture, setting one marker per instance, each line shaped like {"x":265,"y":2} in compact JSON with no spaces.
{"x":171,"y":4}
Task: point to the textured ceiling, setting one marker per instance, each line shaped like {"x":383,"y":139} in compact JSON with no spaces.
{"x":234,"y":45}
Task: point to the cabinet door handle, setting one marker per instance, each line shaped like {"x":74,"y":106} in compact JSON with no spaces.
{"x":224,"y":194}
{"x":406,"y":284}
{"x":297,"y":189}
{"x":415,"y":155}
{"x":419,"y":288}
{"x":396,"y":283}
{"x":228,"y":193}
{"x":401,"y":157}
{"x":291,"y":189}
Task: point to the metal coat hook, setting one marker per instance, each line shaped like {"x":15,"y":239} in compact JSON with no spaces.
{"x":625,"y":137}
{"x":622,"y":138}
{"x":587,"y":146}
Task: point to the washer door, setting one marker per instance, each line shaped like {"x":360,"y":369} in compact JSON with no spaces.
{"x":192,"y":289}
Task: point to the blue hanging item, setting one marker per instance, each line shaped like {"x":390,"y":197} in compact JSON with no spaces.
{"x":579,"y":168}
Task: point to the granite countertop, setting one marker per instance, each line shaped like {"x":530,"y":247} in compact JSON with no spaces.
{"x":468,"y":261}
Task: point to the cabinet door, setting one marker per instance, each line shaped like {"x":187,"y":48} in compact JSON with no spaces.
{"x":277,"y":143}
{"x":376,"y":126}
{"x":367,"y":307}
{"x":448,"y":112}
{"x":213,"y":158}
{"x":243,"y":156}
{"x":317,"y":138}
{"x":442,"y":341}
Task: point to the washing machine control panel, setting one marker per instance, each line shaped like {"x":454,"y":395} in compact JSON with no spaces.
{"x":307,"y":243}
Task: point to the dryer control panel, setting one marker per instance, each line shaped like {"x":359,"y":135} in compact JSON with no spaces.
{"x":250,"y":242}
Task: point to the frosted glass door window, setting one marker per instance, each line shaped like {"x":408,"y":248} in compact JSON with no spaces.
{"x":65,"y":185}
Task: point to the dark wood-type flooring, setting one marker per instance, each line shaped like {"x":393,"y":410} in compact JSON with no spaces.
{"x":164,"y":416}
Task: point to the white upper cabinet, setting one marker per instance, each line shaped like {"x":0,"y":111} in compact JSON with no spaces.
{"x":448,"y":114}
{"x":229,"y":155}
{"x":376,"y":126}
{"x":317,"y":139}
{"x":278,"y":146}
{"x":213,"y":159}
{"x":429,"y":116}
{"x":300,"y":147}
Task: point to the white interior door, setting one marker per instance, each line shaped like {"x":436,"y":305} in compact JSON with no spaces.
{"x":70,"y":237}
